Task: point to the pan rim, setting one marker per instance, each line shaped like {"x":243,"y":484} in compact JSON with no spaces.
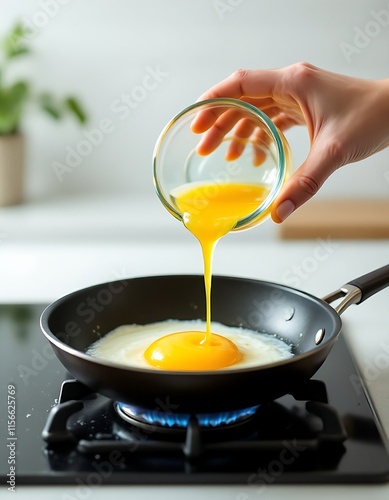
{"x":53,"y":339}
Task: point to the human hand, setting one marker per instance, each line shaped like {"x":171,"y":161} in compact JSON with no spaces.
{"x":347,"y":120}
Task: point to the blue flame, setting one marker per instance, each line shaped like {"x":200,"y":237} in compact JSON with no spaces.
{"x":181,"y":420}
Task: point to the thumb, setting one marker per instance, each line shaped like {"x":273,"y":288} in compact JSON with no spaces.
{"x":305,"y":182}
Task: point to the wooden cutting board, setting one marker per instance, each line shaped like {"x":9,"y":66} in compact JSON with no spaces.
{"x":340,"y":219}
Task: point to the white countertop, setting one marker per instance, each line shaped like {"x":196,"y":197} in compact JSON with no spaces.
{"x":40,"y":266}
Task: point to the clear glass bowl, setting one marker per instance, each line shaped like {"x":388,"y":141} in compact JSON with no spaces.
{"x":260,"y":153}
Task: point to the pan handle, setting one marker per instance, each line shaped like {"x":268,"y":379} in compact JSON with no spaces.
{"x":359,"y":289}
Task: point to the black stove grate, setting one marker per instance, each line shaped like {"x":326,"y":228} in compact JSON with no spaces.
{"x":273,"y":428}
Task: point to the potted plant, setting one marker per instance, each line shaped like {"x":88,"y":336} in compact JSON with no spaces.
{"x":15,"y":96}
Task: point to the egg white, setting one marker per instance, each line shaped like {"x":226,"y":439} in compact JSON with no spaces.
{"x":126,"y":344}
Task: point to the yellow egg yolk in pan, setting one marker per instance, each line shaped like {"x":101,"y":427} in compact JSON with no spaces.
{"x":191,"y":351}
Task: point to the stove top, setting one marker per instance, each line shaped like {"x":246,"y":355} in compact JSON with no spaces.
{"x":55,"y":430}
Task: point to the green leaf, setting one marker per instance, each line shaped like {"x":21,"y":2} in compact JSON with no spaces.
{"x":12,"y":102}
{"x":19,"y":91}
{"x":15,"y":42}
{"x":75,"y":107}
{"x":14,"y":98}
{"x":50,"y":106}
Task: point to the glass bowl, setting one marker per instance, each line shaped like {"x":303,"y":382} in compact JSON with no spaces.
{"x":218,"y":141}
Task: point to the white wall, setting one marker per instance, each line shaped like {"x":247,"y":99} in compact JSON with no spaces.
{"x":102,"y":49}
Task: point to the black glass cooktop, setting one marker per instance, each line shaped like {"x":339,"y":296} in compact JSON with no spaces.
{"x":54,"y":430}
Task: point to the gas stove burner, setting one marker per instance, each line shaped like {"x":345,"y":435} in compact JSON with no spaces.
{"x":164,"y":421}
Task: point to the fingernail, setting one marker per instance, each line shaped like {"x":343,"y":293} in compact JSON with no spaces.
{"x":285,"y":209}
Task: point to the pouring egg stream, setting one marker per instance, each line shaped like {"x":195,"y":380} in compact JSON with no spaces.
{"x":210,"y":211}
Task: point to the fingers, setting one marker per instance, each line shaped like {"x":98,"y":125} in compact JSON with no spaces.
{"x":216,"y":123}
{"x":242,"y":132}
{"x":211,"y":139}
{"x":250,"y":83}
{"x":205,"y":119}
{"x":245,"y":130}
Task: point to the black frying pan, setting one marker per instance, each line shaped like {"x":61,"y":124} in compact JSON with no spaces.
{"x":309,"y":324}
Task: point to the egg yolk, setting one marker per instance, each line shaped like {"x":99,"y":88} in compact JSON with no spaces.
{"x":209,"y":211}
{"x":190,"y":351}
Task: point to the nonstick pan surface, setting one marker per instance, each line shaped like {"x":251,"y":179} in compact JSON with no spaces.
{"x":309,"y":324}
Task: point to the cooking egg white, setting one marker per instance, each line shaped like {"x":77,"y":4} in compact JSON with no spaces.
{"x":126,"y":344}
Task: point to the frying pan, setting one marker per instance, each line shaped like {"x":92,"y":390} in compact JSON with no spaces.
{"x":309,"y":324}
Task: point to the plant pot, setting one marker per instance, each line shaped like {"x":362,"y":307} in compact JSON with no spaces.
{"x":11,"y":169}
